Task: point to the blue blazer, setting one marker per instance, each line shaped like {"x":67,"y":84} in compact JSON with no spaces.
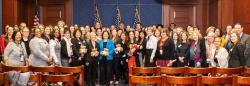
{"x":111,"y":48}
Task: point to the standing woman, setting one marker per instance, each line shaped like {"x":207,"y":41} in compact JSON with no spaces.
{"x":165,"y":50}
{"x":183,"y":50}
{"x":236,"y":52}
{"x":15,"y":53}
{"x":219,"y":55}
{"x":176,"y":41}
{"x":5,"y":39}
{"x":197,"y":51}
{"x":107,"y":49}
{"x":117,"y":57}
{"x":123,"y":54}
{"x":151,"y":48}
{"x":91,"y":61}
{"x":55,"y":47}
{"x":77,"y":45}
{"x":157,"y":34}
{"x":39,"y":50}
{"x":142,"y":48}
{"x":137,"y":36}
{"x":66,"y":49}
{"x":46,"y":34}
{"x":26,"y":38}
{"x":132,"y":52}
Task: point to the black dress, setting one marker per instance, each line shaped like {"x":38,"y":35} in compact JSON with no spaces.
{"x":183,"y":51}
{"x":77,"y":59}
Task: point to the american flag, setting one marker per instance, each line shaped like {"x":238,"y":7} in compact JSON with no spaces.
{"x":97,"y":15}
{"x":36,"y":16}
{"x":118,"y":17}
{"x":137,"y":17}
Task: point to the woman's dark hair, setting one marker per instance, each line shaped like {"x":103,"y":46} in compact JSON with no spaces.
{"x":52,"y":35}
{"x":104,"y":32}
{"x":66,"y":30}
{"x":75,"y":31}
{"x":221,"y":33}
{"x":129,"y":37}
{"x":14,"y":34}
{"x":145,"y":34}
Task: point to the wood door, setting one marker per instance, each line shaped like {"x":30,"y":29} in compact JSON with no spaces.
{"x":52,"y":13}
{"x":183,"y":15}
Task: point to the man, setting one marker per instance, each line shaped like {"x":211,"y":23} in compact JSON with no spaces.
{"x":151,"y":47}
{"x":245,"y":40}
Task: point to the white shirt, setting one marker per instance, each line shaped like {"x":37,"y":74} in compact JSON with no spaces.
{"x":222,"y":58}
{"x":152,"y":44}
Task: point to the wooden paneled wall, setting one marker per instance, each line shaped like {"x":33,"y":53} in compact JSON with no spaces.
{"x":16,"y":11}
{"x":218,"y":13}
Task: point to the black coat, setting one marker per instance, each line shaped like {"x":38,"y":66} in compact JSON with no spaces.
{"x":167,"y":48}
{"x":90,"y":46}
{"x":64,"y":51}
{"x":236,"y":56}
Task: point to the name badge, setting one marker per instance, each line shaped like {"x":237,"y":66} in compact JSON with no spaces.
{"x":21,"y":58}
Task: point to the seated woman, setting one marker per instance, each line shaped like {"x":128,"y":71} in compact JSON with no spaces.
{"x":15,"y":53}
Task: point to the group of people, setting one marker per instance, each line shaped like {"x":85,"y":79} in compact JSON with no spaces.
{"x":113,"y":50}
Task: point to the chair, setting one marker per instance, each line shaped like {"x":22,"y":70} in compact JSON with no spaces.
{"x":144,"y":70}
{"x":73,"y":70}
{"x":173,"y":70}
{"x":247,"y":71}
{"x":243,"y":80}
{"x":217,"y":80}
{"x":175,"y":80}
{"x":148,"y":80}
{"x":15,"y":68}
{"x":228,"y":71}
{"x":45,"y":69}
{"x":200,"y":71}
{"x":68,"y":79}
{"x":3,"y":80}
{"x":35,"y":78}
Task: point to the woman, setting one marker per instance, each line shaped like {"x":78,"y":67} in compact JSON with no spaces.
{"x":142,"y":47}
{"x":165,"y":50}
{"x":91,"y":61}
{"x":236,"y":52}
{"x":157,"y":34}
{"x":123,"y":55}
{"x":219,"y":55}
{"x":107,"y":49}
{"x":83,"y":32}
{"x":77,"y":45}
{"x":66,"y":49}
{"x":137,"y":36}
{"x":133,"y":61}
{"x":183,"y":50}
{"x":46,"y":34}
{"x":5,"y":39}
{"x":72,"y":29}
{"x":15,"y":53}
{"x":55,"y":47}
{"x":99,"y":34}
{"x":117,"y":56}
{"x":26,"y":38}
{"x":209,"y":45}
{"x":39,"y":50}
{"x":176,"y":42}
{"x":197,"y":51}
